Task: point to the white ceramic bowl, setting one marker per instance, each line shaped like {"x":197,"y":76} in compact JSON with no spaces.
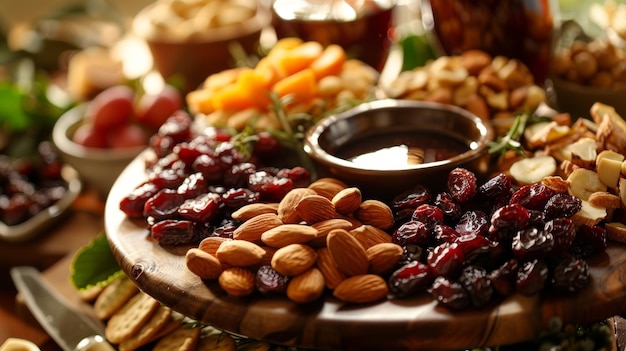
{"x":98,"y":168}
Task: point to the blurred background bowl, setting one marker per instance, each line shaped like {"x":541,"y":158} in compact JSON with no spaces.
{"x":445,"y":136}
{"x":195,"y":56}
{"x":577,"y":99}
{"x":98,"y":168}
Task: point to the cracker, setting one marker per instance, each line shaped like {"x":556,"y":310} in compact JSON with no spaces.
{"x":176,"y":320}
{"x":130,"y":318}
{"x":114,"y":296}
{"x":217,"y":342}
{"x":91,"y":293}
{"x":147,"y":332}
{"x":185,"y":338}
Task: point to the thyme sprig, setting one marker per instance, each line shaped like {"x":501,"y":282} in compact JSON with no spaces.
{"x":512,"y":140}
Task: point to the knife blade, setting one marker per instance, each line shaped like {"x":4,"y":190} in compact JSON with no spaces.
{"x":67,"y":326}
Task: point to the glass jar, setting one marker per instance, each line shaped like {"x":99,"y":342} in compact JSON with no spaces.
{"x":361,"y":27}
{"x":521,"y":29}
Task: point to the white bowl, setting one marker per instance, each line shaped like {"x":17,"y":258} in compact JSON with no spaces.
{"x":98,"y":168}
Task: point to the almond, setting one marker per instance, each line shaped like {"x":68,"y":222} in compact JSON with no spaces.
{"x":239,"y":253}
{"x":384,"y":257}
{"x":306,"y":287}
{"x":326,"y":264}
{"x":252,"y":229}
{"x":287,"y":234}
{"x":248,"y":211}
{"x":315,"y":208}
{"x":237,"y":281}
{"x":293,"y":259}
{"x":347,"y":200}
{"x":211,"y":244}
{"x":347,"y":252}
{"x":362,"y":288}
{"x":202,"y":264}
{"x":376,"y":213}
{"x":327,"y":187}
{"x":287,"y":206}
{"x":368,"y":235}
{"x":324,"y":227}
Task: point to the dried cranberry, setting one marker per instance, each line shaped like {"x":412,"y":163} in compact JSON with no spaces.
{"x":269,"y":187}
{"x":462,"y":184}
{"x":504,"y":277}
{"x":411,"y":233}
{"x":531,"y":243}
{"x":175,"y":232}
{"x":563,"y":231}
{"x":478,"y":286}
{"x":237,"y":175}
{"x":163,"y":205}
{"x":239,"y":197}
{"x":446,"y":259}
{"x":531,"y":277}
{"x":300,"y":176}
{"x":562,"y":205}
{"x":203,"y":208}
{"x":133,"y":204}
{"x":473,"y":245}
{"x":496,"y":186}
{"x":570,"y":274}
{"x":225,"y":228}
{"x":451,"y":209}
{"x":177,"y":127}
{"x":411,"y":198}
{"x":411,"y":253}
{"x":512,"y":216}
{"x":268,"y":281}
{"x":210,"y":167}
{"x":228,"y":155}
{"x":428,"y":214}
{"x":170,"y":178}
{"x":193,"y":186}
{"x":412,"y":278}
{"x":533,"y":196}
{"x":444,"y":233}
{"x":162,"y":145}
{"x":450,"y":293}
{"x":473,"y":222}
{"x":266,"y":146}
{"x":589,"y":241}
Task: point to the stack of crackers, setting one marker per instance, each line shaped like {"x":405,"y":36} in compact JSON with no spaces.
{"x":135,"y":320}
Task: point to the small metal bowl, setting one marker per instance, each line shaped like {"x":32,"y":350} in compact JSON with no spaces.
{"x":458,"y":138}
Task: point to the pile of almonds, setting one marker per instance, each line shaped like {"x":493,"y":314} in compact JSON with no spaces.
{"x":321,"y":237}
{"x":490,"y":87}
{"x":597,"y":63}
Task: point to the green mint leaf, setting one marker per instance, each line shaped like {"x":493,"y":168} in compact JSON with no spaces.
{"x":94,"y":264}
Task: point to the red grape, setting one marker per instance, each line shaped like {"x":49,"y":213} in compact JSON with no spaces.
{"x":153,"y":109}
{"x":111,"y":108}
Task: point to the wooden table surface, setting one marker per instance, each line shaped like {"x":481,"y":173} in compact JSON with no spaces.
{"x":51,"y":252}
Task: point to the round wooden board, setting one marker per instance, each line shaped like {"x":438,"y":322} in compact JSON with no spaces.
{"x":401,"y":324}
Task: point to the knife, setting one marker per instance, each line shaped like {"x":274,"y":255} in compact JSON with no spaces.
{"x":70,"y":329}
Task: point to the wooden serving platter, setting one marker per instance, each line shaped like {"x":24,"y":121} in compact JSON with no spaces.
{"x":401,"y":324}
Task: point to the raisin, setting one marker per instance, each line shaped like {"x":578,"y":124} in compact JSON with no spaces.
{"x":531,"y":277}
{"x":496,"y":186}
{"x":450,"y":293}
{"x":446,"y":259}
{"x":411,"y":233}
{"x":531,"y":243}
{"x":175,"y":232}
{"x":570,"y":274}
{"x":474,"y":222}
{"x":478,"y":286}
{"x":503,"y":278}
{"x":410,"y":279}
{"x":203,"y":208}
{"x":562,"y":205}
{"x":533,"y":196}
{"x":268,"y":280}
{"x":462,"y":184}
{"x":563,"y":231}
{"x":428,"y":214}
